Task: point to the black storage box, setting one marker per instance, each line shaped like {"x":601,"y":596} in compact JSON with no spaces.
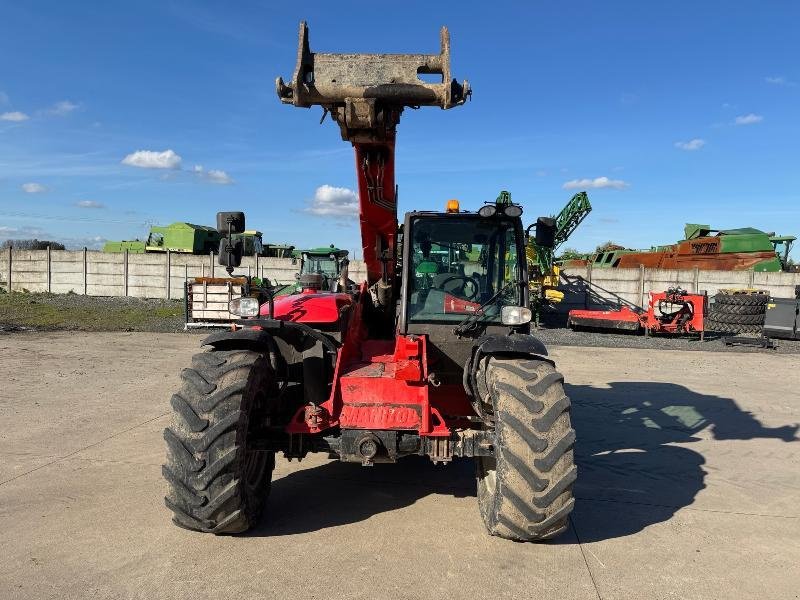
{"x":781,"y":320}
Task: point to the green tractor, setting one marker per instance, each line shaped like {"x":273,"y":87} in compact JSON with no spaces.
{"x":329,"y":261}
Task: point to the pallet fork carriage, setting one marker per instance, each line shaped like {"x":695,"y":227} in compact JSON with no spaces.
{"x":431,"y":355}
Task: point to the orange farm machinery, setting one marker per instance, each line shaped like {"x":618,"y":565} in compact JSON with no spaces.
{"x":674,"y":311}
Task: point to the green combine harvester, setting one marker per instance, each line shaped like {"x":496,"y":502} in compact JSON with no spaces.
{"x":187,"y":238}
{"x":705,"y":248}
{"x":177,"y":237}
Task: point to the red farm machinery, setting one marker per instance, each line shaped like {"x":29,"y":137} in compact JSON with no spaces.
{"x":431,"y":355}
{"x":674,"y":311}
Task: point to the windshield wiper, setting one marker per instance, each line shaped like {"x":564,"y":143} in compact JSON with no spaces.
{"x":471,"y":321}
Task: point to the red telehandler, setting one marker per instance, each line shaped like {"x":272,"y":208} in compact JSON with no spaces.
{"x":431,"y":356}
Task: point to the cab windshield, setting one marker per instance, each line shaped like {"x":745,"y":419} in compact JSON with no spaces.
{"x":459,"y":263}
{"x":320,"y":264}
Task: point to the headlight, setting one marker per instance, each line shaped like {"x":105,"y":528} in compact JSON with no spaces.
{"x":244,"y":307}
{"x":487,"y":210}
{"x":513,"y":210}
{"x":515,"y":315}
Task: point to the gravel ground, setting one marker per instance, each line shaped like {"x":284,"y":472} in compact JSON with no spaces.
{"x":562,"y":336}
{"x":48,"y":312}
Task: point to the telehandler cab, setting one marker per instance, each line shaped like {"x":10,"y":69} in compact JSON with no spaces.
{"x":431,"y":356}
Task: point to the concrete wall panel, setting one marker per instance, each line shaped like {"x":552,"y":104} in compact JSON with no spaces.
{"x":147,"y":276}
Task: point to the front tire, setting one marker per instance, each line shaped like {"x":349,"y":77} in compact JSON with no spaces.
{"x":525,"y":489}
{"x":218,"y":483}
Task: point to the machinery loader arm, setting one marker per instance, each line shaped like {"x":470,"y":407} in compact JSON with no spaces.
{"x":365,"y":94}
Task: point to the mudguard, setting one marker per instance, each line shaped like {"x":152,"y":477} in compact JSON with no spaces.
{"x":251,"y":339}
{"x":516,"y":343}
{"x":261,"y":333}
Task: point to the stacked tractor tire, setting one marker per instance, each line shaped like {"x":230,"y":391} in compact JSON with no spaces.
{"x":738,"y":312}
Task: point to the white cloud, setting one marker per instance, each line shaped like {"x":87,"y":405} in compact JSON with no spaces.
{"x":14,"y":116}
{"x":93,"y":242}
{"x":212,"y":175}
{"x":333,"y":201}
{"x":148,"y":159}
{"x":693,"y":144}
{"x":20,"y":232}
{"x":779,"y":81}
{"x":541,"y":173}
{"x":219,"y":177}
{"x":62,"y":108}
{"x":748,"y":119}
{"x":89,"y":204}
{"x":33,"y":188}
{"x":595,"y":184}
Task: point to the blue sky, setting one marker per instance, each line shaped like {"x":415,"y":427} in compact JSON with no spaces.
{"x":665,"y":113}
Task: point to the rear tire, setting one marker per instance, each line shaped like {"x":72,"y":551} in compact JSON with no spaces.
{"x":744,"y":299}
{"x":712,"y":325}
{"x":730,"y":319}
{"x":217,"y":484}
{"x":525,"y":489}
{"x":738,"y":309}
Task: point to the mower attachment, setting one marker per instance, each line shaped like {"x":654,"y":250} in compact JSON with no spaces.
{"x":368,"y":91}
{"x":624,"y":318}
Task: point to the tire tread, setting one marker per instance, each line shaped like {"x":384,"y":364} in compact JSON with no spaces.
{"x":206,"y":441}
{"x":533,"y":467}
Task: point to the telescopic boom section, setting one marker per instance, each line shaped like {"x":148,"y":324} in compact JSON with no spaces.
{"x":365,"y":94}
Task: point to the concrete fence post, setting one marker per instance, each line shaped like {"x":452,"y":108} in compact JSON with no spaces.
{"x":751,"y":279}
{"x":211,"y":263}
{"x":168,"y":276}
{"x":10,"y":260}
{"x":255,"y":258}
{"x":641,"y":285}
{"x":125,"y":272}
{"x":85,"y":273}
{"x":696,"y":281}
{"x":49,"y":271}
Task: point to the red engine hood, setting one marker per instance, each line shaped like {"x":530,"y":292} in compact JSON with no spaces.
{"x":309,"y":307}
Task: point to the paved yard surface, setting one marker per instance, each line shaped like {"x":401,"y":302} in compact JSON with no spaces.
{"x":689,"y":487}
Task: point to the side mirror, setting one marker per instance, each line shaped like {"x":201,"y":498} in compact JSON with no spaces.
{"x":230,"y":222}
{"x":230,"y":254}
{"x":545,"y":232}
